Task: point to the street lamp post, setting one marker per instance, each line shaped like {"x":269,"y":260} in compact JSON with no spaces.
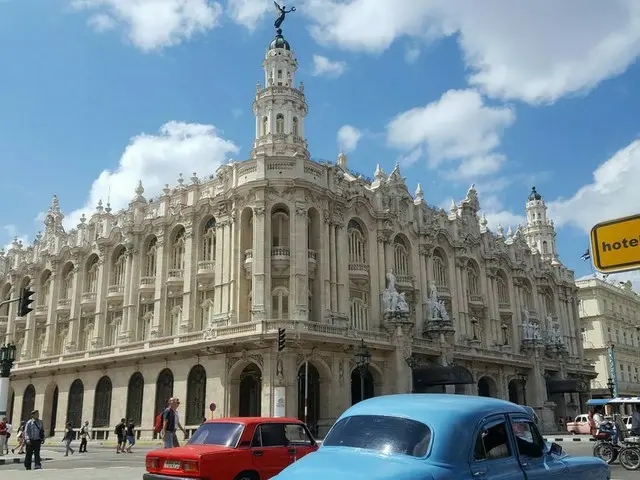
{"x":522,"y":378}
{"x":363,"y":359}
{"x":610,"y":386}
{"x":7,"y":357}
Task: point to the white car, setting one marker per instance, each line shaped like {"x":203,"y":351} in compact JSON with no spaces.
{"x":627,"y":422}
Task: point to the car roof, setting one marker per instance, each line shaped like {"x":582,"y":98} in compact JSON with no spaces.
{"x":254,"y":420}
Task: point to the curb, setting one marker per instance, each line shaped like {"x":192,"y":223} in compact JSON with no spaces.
{"x":570,"y":439}
{"x":17,"y":461}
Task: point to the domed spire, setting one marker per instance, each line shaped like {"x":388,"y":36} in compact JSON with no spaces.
{"x":534,"y":195}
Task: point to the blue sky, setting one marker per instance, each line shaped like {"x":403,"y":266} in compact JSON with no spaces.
{"x":99,"y":93}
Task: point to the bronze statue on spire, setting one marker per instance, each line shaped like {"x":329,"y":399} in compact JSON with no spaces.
{"x":282,"y":13}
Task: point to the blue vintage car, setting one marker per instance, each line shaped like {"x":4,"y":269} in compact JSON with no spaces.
{"x":439,"y":437}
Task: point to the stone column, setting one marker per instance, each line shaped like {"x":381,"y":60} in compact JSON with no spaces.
{"x":424,"y":256}
{"x":516,"y":320}
{"x":124,"y":334}
{"x":75,"y":311}
{"x":132,"y":296}
{"x":159,"y":307}
{"x":258,"y":264}
{"x":220,"y":266}
{"x":333,"y":267}
{"x":496,"y":309}
{"x":491,"y":329}
{"x":100,"y":316}
{"x":342,"y":255}
{"x":461,"y":293}
{"x":190,"y":258}
{"x":50,"y":333}
{"x":377,"y":322}
{"x":300,"y":258}
{"x":226,"y":273}
{"x":324,"y":270}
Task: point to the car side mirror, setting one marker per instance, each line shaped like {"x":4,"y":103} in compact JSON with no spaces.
{"x":555,"y":449}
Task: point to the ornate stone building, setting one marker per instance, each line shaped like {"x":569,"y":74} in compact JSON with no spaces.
{"x":184,"y":294}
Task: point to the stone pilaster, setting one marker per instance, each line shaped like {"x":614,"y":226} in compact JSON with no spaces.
{"x":50,"y":335}
{"x":258,"y":266}
{"x":75,"y":311}
{"x":300,"y":262}
{"x":189,"y":290}
{"x":159,"y":299}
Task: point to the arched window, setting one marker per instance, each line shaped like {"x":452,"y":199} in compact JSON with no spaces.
{"x":527,"y":298}
{"x":545,"y":247}
{"x":196,"y":393}
{"x":503,"y":289}
{"x":280,"y":123}
{"x":357,"y":243}
{"x":91,"y":282}
{"x":135,"y":398}
{"x":279,"y":74}
{"x":209,"y":241}
{"x":67,"y":283}
{"x":401,"y":257}
{"x":102,"y":403}
{"x":150,"y":259}
{"x":439,"y":270}
{"x":28,"y":402}
{"x":177,"y":257}
{"x":75,"y":403}
{"x":45,"y":289}
{"x":472,"y":279}
{"x":164,"y":389}
{"x":549,"y":304}
{"x":280,"y":303}
{"x":295,"y":126}
{"x":265,"y":125}
{"x":117,"y":274}
{"x":279,"y":228}
{"x":359,"y":314}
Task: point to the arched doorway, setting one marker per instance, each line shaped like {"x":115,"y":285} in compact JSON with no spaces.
{"x":54,"y":412}
{"x":164,"y":390}
{"x":28,"y":402}
{"x":487,"y":387}
{"x":102,"y":403}
{"x":514,"y":391}
{"x":12,"y":404}
{"x":75,"y":403}
{"x":250,"y":392}
{"x":357,"y":382}
{"x":196,"y":395}
{"x":135,"y":397}
{"x":49,"y":409}
{"x":312,"y":387}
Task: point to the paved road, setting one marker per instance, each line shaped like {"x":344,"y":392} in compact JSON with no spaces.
{"x":102,"y":463}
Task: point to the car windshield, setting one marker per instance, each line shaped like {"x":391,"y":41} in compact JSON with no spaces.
{"x":218,"y":433}
{"x":389,"y":435}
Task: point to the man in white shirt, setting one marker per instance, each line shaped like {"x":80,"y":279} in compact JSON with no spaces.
{"x":9,"y":432}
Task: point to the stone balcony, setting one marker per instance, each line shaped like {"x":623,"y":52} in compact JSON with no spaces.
{"x":175,"y":276}
{"x":147,"y":284}
{"x":504,"y":307}
{"x":443,"y":291}
{"x":280,"y":259}
{"x":359,"y":272}
{"x":476,"y":299}
{"x":311,"y":255}
{"x":64,"y":305}
{"x":206,"y":268}
{"x":41,"y":310}
{"x":248,"y":262}
{"x":115,"y":291}
{"x":404,"y":282}
{"x":89,"y":298}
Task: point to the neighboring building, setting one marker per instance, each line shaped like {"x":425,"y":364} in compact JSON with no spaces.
{"x":610,"y":325}
{"x":184,"y":294}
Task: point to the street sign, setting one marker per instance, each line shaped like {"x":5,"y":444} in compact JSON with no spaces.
{"x":212,"y":407}
{"x":615,"y":245}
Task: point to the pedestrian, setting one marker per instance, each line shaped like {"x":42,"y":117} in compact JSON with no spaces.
{"x":34,"y":438}
{"x":170,"y":421}
{"x":84,"y":437}
{"x":20,"y":439}
{"x":3,"y":436}
{"x":120,"y":434}
{"x":131,"y":435}
{"x":9,"y":433}
{"x":67,"y":439}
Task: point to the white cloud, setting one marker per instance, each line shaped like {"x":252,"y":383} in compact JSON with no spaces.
{"x":457,"y":127}
{"x":348,"y":138}
{"x":411,"y":54}
{"x":410,"y":158}
{"x":153,"y":24}
{"x":476,"y":167}
{"x":323,"y":67}
{"x":157,"y":160}
{"x":248,"y":12}
{"x":11,"y":233}
{"x":613,"y":193}
{"x":533,"y":51}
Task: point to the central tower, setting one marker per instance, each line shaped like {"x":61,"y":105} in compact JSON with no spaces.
{"x":280,"y":108}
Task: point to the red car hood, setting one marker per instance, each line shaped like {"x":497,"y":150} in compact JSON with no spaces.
{"x":188,"y":451}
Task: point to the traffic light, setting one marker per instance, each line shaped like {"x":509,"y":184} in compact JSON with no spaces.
{"x":25,"y":301}
{"x":282,"y":338}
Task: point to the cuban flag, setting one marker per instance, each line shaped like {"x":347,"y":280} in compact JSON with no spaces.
{"x":586,"y":255}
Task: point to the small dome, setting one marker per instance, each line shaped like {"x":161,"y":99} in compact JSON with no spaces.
{"x":279,"y":42}
{"x":534,"y":195}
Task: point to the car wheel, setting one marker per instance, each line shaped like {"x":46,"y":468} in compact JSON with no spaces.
{"x":247,"y":476}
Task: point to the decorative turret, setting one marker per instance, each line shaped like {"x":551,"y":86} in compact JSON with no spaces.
{"x":280,"y":108}
{"x":539,"y":231}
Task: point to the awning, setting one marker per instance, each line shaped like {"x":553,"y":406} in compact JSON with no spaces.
{"x":635,"y":400}
{"x":453,"y":375}
{"x":596,"y":402}
{"x":569,"y":385}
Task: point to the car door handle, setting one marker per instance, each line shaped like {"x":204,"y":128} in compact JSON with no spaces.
{"x":525,"y":464}
{"x":257,"y":453}
{"x":292,"y":451}
{"x":480,"y":474}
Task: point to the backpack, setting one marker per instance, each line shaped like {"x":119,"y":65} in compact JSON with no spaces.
{"x":157,"y":426}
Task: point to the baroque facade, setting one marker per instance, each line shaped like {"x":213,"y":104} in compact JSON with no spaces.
{"x":610,"y":326}
{"x":184,"y":294}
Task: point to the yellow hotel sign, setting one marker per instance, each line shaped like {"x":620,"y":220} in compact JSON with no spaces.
{"x":615,"y":245}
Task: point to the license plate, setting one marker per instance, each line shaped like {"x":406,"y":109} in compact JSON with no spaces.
{"x":172,"y":465}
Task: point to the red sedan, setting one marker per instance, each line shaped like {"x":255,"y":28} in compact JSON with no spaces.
{"x":245,"y":448}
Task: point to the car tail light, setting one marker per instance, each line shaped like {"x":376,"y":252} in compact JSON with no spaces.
{"x":190,"y":466}
{"x":153,"y":462}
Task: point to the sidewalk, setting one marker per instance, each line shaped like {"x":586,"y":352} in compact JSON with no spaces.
{"x":45,"y":455}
